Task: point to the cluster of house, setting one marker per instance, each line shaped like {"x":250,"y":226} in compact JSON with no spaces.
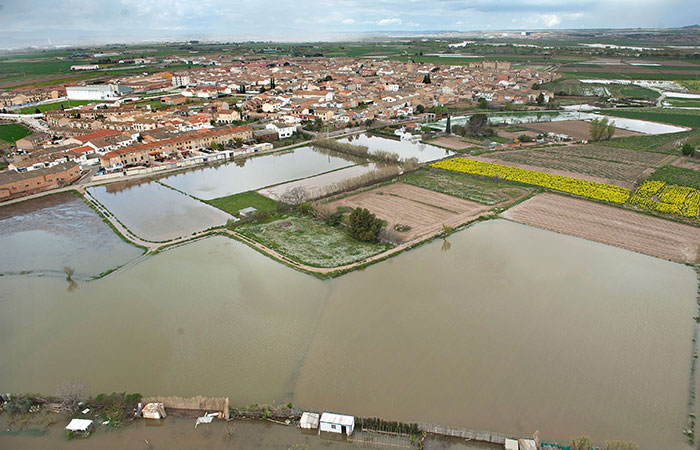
{"x":342,"y":90}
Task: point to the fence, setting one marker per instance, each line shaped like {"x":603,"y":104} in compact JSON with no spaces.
{"x":198,"y":403}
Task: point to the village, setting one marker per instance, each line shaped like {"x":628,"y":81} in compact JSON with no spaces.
{"x":238,"y":108}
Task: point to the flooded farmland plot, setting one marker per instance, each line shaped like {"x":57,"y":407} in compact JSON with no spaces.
{"x":45,"y":234}
{"x":155,"y":212}
{"x":405,"y":146}
{"x":636,"y":125}
{"x":254,"y":173}
{"x":509,"y":328}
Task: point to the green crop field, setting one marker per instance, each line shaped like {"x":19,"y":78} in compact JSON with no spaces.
{"x":678,"y":176}
{"x":11,"y":132}
{"x":234,"y":203}
{"x":683,"y":102}
{"x":51,"y":106}
{"x":576,"y":88}
{"x":629,"y":76}
{"x":684,"y":118}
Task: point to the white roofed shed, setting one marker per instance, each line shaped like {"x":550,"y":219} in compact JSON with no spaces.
{"x":309,"y":421}
{"x":337,"y":423}
{"x":81,"y":426}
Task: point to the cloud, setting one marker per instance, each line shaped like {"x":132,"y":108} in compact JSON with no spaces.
{"x":385,"y":22}
{"x":412,"y":24}
{"x":549,"y":20}
{"x":348,"y":21}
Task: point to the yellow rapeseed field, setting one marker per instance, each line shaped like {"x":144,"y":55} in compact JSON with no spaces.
{"x":590,"y":189}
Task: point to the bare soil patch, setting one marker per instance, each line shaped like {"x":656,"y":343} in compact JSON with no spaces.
{"x":423,"y":210}
{"x":609,"y":225}
{"x":453,"y":142}
{"x":577,"y":129}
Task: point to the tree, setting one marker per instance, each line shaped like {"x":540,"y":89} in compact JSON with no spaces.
{"x":601,"y":129}
{"x":420,"y":109}
{"x":478,"y":126}
{"x":426,"y":79}
{"x":581,"y":443}
{"x":295,"y":196}
{"x":71,"y":393}
{"x":541,"y":99}
{"x":37,"y":111}
{"x":364,"y":226}
{"x":272,"y":83}
{"x":214,"y":145}
{"x":448,"y":126}
{"x":525,"y":138}
{"x":688,"y":149}
{"x":483,"y":103}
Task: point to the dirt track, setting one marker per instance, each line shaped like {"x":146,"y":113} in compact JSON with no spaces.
{"x":609,"y":225}
{"x":423,"y":210}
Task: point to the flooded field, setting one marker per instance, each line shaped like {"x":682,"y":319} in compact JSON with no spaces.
{"x":155,"y":212}
{"x":254,"y":173}
{"x":502,"y":328}
{"x":405,"y":147}
{"x":45,"y":234}
{"x":639,"y":126}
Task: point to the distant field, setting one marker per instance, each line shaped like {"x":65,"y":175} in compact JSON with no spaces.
{"x":629,"y":76}
{"x":11,"y":132}
{"x":684,"y":118}
{"x":683,"y":102}
{"x":576,"y":88}
{"x":691,"y":85}
{"x":51,"y":106}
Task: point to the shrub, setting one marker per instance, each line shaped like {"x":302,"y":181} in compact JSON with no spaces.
{"x":19,"y":405}
{"x":581,"y":443}
{"x":687,"y":149}
{"x":620,"y":445}
{"x":364,"y":226}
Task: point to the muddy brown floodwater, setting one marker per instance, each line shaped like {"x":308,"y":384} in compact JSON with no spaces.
{"x":510,"y":329}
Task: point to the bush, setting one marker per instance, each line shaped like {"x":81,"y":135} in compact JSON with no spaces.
{"x":306,"y":209}
{"x":19,"y":405}
{"x":688,"y":149}
{"x":581,"y":443}
{"x":364,"y":226}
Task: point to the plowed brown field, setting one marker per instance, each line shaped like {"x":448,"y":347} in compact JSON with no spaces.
{"x":423,"y":210}
{"x":609,"y":225}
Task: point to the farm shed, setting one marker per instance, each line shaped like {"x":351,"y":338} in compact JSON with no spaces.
{"x":511,"y":444}
{"x":154,"y":411}
{"x":337,"y":423}
{"x":80,"y":426}
{"x":309,"y":421}
{"x":247,"y":212}
{"x":527,"y":444}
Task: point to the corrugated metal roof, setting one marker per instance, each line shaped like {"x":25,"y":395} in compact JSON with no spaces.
{"x":338,"y":419}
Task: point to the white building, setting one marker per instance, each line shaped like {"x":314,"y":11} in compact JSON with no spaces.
{"x":282,"y":129}
{"x":97,"y":92}
{"x":309,"y":421}
{"x":85,"y":67}
{"x":337,"y":423}
{"x":181,"y":80}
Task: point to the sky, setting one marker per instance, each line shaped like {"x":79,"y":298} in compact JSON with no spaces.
{"x":70,"y":22}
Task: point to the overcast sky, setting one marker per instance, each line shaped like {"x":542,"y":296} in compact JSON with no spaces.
{"x":35,"y":22}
